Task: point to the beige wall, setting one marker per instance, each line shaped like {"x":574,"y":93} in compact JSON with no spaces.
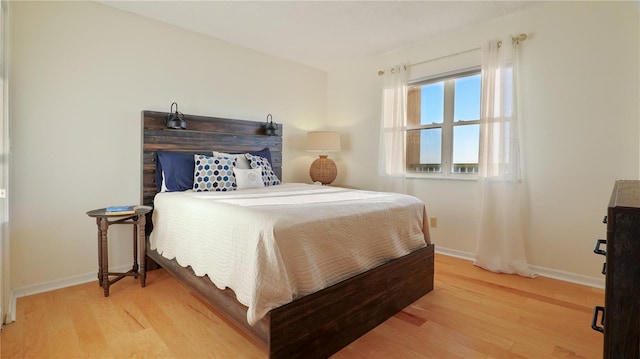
{"x":579,"y":113}
{"x":80,"y":75}
{"x":81,"y":72}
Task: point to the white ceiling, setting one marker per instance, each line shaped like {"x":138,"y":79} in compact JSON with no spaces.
{"x":321,"y":34}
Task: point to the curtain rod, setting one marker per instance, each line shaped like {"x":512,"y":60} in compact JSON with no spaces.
{"x":515,"y":40}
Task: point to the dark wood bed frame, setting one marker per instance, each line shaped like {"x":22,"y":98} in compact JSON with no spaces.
{"x":314,"y":326}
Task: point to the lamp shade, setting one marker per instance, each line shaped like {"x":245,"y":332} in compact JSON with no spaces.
{"x":323,"y":141}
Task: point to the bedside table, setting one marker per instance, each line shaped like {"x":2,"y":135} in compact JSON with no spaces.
{"x":104,"y":220}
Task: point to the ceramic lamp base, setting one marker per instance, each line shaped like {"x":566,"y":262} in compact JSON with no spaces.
{"x":323,"y":170}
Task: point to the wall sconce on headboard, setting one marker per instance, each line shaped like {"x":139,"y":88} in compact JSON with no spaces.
{"x":270,"y":128}
{"x":176,"y":120}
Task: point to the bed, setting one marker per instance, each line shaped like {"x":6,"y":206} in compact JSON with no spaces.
{"x":314,"y":324}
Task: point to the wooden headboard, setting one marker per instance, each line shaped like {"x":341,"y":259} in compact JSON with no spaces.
{"x":203,"y":135}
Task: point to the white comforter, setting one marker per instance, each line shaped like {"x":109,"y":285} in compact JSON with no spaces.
{"x":274,"y":244}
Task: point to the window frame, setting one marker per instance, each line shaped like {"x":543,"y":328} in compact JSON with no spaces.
{"x":447,"y":124}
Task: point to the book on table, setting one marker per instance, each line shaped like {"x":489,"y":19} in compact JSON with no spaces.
{"x":120,"y":210}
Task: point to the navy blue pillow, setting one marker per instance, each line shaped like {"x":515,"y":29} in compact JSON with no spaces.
{"x":265,"y":152}
{"x":178,"y":171}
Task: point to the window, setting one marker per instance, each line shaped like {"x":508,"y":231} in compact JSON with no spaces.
{"x":443,"y":124}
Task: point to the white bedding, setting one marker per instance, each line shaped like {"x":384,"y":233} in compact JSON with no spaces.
{"x":272,"y":245}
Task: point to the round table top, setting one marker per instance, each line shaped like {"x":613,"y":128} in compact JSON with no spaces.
{"x":102,"y":212}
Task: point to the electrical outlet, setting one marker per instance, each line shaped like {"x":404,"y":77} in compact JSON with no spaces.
{"x":433,"y":222}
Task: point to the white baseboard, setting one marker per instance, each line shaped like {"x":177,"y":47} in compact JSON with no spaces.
{"x":569,"y":277}
{"x":11,"y":314}
{"x":596,"y":282}
{"x":455,"y":253}
{"x":53,"y":285}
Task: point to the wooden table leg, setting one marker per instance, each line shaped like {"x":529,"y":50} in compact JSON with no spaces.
{"x":134,"y":269}
{"x":143,"y":249}
{"x":99,"y":252}
{"x":104,"y":226}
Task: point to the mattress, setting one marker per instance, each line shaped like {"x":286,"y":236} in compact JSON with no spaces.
{"x":275,"y":244}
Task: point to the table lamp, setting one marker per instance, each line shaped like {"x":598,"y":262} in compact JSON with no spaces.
{"x":323,"y":169}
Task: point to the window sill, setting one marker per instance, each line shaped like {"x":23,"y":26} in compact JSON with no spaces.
{"x":434,"y":176}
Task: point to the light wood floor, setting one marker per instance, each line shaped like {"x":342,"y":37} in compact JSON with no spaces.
{"x":470,"y":314}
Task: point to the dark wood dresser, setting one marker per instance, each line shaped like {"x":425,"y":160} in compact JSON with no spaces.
{"x":619,"y":319}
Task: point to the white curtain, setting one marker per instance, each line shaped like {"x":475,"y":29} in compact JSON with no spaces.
{"x":500,"y":242}
{"x":391,"y":154}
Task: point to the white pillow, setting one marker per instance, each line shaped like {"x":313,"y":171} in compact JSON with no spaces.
{"x":248,"y":178}
{"x":241,"y":160}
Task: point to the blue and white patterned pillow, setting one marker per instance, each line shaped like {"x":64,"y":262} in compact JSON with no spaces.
{"x":268,"y":176}
{"x":213,"y":173}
